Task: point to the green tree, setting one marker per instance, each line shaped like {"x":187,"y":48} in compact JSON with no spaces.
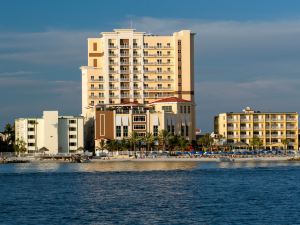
{"x":164,"y":136}
{"x":205,"y":141}
{"x":20,"y":146}
{"x":256,"y":142}
{"x":285,"y":142}
{"x":134,"y":140}
{"x":149,"y":141}
{"x":183,"y":143}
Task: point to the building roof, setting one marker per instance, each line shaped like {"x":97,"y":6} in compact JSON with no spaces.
{"x":170,"y":99}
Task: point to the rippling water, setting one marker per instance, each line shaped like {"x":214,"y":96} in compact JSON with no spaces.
{"x":150,"y":193}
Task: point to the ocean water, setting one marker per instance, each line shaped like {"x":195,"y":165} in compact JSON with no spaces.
{"x":150,"y":193}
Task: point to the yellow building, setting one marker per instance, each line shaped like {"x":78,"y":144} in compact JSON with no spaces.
{"x":125,"y":66}
{"x":273,"y":128}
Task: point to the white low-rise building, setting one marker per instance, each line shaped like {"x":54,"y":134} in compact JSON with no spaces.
{"x":52,"y":134}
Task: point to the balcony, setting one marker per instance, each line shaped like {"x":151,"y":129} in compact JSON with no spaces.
{"x":113,"y":63}
{"x":245,"y":136}
{"x":96,"y":80}
{"x":113,"y":79}
{"x":245,"y":128}
{"x":136,"y":63}
{"x":232,"y":136}
{"x":136,"y":79}
{"x":124,"y":72}
{"x":146,"y":95}
{"x":291,"y":136}
{"x":136,"y":46}
{"x":96,"y":88}
{"x":112,"y":55}
{"x":125,"y":88}
{"x":149,"y":88}
{"x":291,"y":127}
{"x":113,"y":88}
{"x":258,"y":120}
{"x":136,"y":71}
{"x":112,"y":46}
{"x":291,"y":119}
{"x":136,"y":88}
{"x":124,"y":54}
{"x":245,"y":120}
{"x":147,"y":79}
{"x":113,"y":71}
{"x":137,"y":96}
{"x":125,"y":95}
{"x":232,"y":120}
{"x":114,"y":96}
{"x":163,"y":88}
{"x":149,"y":71}
{"x":136,"y":55}
{"x":232,"y":128}
{"x":124,"y":79}
{"x":96,"y":96}
{"x":124,"y":63}
{"x":124,"y":46}
{"x":258,"y":128}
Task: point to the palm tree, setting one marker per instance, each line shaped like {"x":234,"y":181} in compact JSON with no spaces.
{"x":183,"y":143}
{"x":285,"y":142}
{"x":112,"y":145}
{"x":149,"y":140}
{"x":20,"y":146}
{"x":164,"y":137}
{"x":205,"y":141}
{"x":9,"y":133}
{"x":134,"y":139}
{"x":256,"y":142}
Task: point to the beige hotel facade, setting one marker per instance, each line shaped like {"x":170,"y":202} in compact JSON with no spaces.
{"x":126,"y":66}
{"x":271,"y":127}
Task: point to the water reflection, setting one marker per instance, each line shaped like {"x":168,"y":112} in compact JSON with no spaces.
{"x":119,"y":166}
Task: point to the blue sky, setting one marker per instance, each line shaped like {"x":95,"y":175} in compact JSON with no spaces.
{"x":247,"y":52}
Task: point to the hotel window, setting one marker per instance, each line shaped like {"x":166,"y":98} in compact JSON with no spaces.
{"x":169,"y":60}
{"x":72,"y":128}
{"x":92,"y":77}
{"x":159,"y":69}
{"x":72,"y":136}
{"x":189,"y":109}
{"x":159,"y":53}
{"x":168,"y":45}
{"x":30,"y":136}
{"x":145,"y":45}
{"x":139,"y":127}
{"x":139,"y":118}
{"x":92,"y":102}
{"x":167,"y":108}
{"x":145,"y":53}
{"x":101,"y":102}
{"x":100,"y":86}
{"x":181,"y":109}
{"x":125,"y":131}
{"x":159,"y":61}
{"x":184,"y":109}
{"x":118,"y":131}
{"x":95,"y":62}
{"x":169,"y":128}
{"x":31,"y":144}
{"x":158,"y":45}
{"x":94,"y":46}
{"x":173,"y":130}
{"x":92,"y":86}
{"x":72,"y":144}
{"x":169,"y":69}
{"x":100,"y":78}
{"x":31,"y":129}
{"x":159,"y":86}
{"x":179,"y":51}
{"x":155,"y":131}
{"x":72,"y":121}
{"x":168,"y":53}
{"x":186,"y":130}
{"x":182,"y":130}
{"x":179,"y":76}
{"x":101,"y":95}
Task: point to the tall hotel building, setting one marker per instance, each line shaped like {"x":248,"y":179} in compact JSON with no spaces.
{"x":270,"y":127}
{"x":125,"y":66}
